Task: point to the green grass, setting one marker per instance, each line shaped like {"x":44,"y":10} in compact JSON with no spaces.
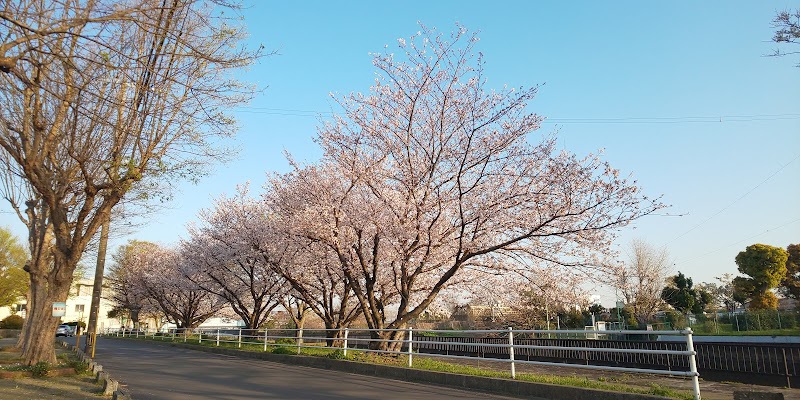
{"x":429,"y":364}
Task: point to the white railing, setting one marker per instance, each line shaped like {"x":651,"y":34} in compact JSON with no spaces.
{"x":409,"y":341}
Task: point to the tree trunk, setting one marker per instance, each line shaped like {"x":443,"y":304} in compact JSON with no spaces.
{"x":22,"y":333}
{"x":38,"y":342}
{"x":385,"y":344}
{"x":135,"y":318}
{"x":334,"y":334}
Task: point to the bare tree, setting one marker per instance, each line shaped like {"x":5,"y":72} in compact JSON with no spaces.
{"x":641,"y":278}
{"x":100,"y":97}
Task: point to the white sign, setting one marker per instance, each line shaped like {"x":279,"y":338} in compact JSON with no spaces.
{"x":59,"y":309}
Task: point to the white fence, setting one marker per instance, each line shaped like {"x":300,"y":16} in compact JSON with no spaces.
{"x":409,"y":342}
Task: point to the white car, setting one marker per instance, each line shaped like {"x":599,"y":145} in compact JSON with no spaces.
{"x":64,"y":330}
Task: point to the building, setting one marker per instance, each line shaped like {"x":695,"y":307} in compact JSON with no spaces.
{"x":78,"y":304}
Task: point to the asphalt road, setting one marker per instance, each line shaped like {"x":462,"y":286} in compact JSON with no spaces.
{"x":153,"y":371}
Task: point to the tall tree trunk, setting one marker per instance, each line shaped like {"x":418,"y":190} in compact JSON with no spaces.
{"x":28,"y":304}
{"x":38,"y":342}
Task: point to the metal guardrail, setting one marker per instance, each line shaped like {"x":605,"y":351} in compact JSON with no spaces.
{"x":371,"y":340}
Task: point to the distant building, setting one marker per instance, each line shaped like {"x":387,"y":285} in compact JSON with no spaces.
{"x":78,"y":305}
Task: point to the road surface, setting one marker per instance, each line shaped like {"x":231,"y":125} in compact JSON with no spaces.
{"x":154,"y":371}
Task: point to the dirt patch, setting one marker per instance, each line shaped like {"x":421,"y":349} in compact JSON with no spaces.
{"x":72,"y":388}
{"x":15,"y":374}
{"x":60,"y":383}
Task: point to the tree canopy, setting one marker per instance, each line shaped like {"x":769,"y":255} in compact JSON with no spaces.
{"x":13,"y":278}
{"x":766,"y":267}
{"x":683,"y":296}
{"x":791,"y":283}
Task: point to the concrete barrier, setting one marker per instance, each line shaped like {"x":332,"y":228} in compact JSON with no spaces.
{"x":121,"y":394}
{"x":110,"y":386}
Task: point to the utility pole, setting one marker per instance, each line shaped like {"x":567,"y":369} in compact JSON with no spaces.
{"x":97,"y":290}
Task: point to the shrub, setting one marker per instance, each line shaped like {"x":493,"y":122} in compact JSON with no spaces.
{"x":79,"y":367}
{"x":40,"y":369}
{"x":12,"y":322}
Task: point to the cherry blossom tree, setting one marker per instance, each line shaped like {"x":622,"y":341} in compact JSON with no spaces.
{"x":260,"y":229}
{"x":125,"y":280}
{"x":170,"y":286}
{"x":431,"y":174}
{"x":223,"y":253}
{"x":300,"y":201}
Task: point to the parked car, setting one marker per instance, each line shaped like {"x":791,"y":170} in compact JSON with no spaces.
{"x":65,"y":330}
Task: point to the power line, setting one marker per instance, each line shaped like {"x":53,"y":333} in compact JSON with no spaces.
{"x":738,"y":242}
{"x":620,"y":120}
{"x":735,"y":201}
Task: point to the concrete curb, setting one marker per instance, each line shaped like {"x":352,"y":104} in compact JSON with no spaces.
{"x":475,"y":383}
{"x":110,"y":386}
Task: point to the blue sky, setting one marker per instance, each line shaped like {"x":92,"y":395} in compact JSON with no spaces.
{"x":678,"y":94}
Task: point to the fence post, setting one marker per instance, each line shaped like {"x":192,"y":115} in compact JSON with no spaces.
{"x":410,"y":345}
{"x":266,"y":331}
{"x":779,"y":319}
{"x":786,"y":369}
{"x":344,"y":348}
{"x":692,"y":363}
{"x":716,"y":324}
{"x":758,"y":320}
{"x":199,"y":337}
{"x":511,"y":352}
{"x":240,"y":338}
{"x":299,"y":339}
{"x":217,"y":337}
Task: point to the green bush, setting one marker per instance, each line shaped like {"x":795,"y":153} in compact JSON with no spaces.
{"x":40,"y":369}
{"x":80,"y":368}
{"x":12,"y":322}
{"x":285,"y":341}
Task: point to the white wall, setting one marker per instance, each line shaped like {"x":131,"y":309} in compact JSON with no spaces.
{"x":80,"y":297}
